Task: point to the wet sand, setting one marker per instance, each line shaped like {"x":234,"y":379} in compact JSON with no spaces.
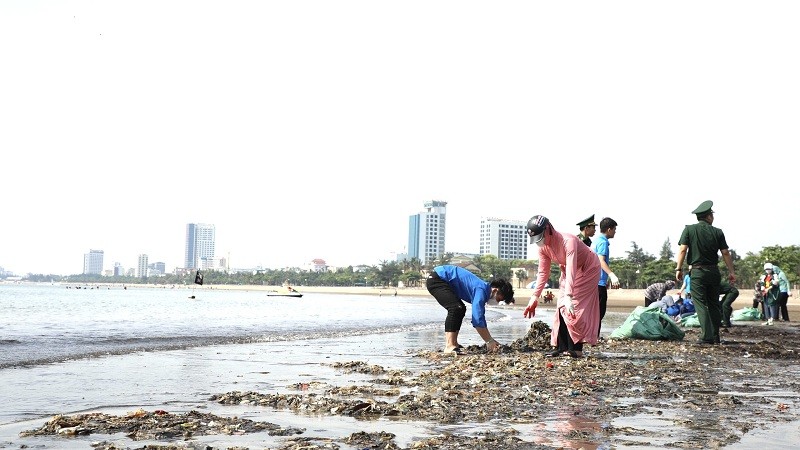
{"x":619,"y":300}
{"x":373,"y":393}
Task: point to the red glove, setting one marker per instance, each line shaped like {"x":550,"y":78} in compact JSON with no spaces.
{"x":530,"y":311}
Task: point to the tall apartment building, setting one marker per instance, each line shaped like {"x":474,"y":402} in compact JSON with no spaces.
{"x":506,"y":239}
{"x":141,"y":267}
{"x":157,"y":268}
{"x":93,"y":262}
{"x":199,"y":252}
{"x":426,"y":232}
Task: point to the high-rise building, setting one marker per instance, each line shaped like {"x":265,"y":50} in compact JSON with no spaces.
{"x":157,"y":268}
{"x":141,"y":267}
{"x":199,"y":246}
{"x":426,"y":232}
{"x":93,"y":262}
{"x":506,"y":239}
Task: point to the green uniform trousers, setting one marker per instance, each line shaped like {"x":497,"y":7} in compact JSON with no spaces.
{"x":729,"y":294}
{"x":705,"y":295}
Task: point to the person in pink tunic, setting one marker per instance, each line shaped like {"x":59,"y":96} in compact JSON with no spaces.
{"x":577,"y":317}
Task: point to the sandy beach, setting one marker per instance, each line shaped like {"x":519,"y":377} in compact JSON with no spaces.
{"x":619,"y":300}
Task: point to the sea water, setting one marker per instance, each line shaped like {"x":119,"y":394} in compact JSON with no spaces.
{"x":64,"y":349}
{"x":49,"y":323}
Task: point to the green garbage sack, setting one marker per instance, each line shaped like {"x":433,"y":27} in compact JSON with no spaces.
{"x":691,"y":321}
{"x":648,"y":323}
{"x":747,"y":314}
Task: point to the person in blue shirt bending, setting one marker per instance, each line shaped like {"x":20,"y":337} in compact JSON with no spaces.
{"x":451,"y":286}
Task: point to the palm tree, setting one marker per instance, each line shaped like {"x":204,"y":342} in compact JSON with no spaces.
{"x":522,"y":275}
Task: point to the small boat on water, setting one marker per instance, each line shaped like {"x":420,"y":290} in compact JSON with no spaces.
{"x":290,"y":292}
{"x":284,"y":294}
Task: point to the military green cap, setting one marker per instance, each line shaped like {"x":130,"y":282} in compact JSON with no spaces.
{"x":704,"y":208}
{"x":586,"y":222}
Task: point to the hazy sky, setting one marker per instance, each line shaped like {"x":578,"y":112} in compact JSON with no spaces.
{"x":313,"y":129}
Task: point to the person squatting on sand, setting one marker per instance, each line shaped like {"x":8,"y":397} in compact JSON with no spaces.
{"x":701,"y":242}
{"x":577,"y":318}
{"x":451,"y":286}
{"x":657,"y":291}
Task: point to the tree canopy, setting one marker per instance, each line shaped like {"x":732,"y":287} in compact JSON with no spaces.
{"x":636,"y":271}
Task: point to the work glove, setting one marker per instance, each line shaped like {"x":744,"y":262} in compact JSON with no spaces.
{"x":566,"y":302}
{"x":614,"y":280}
{"x":530,"y":311}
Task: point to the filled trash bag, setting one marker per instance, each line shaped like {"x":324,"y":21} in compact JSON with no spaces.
{"x":690,"y":321}
{"x":747,"y":314}
{"x":648,"y":323}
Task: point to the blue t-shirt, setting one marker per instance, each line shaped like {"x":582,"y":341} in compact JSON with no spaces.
{"x":601,"y":248}
{"x":687,"y":284}
{"x":469,"y":288}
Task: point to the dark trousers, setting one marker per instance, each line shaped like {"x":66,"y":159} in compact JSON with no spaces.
{"x":444,"y":294}
{"x":757,"y":302}
{"x":603,"y":292}
{"x":705,"y":295}
{"x":783,"y":300}
{"x":565,"y":342}
{"x":729,"y":295}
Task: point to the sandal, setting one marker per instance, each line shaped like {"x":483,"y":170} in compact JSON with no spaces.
{"x":457,"y":350}
{"x":553,"y":354}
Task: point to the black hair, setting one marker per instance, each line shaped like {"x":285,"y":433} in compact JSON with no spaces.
{"x":504,"y":287}
{"x":607,"y":223}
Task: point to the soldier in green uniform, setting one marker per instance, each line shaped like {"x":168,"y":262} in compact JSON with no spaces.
{"x":587,"y":227}
{"x":699,"y":244}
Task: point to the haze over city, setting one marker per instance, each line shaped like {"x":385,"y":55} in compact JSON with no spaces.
{"x":315,"y":129}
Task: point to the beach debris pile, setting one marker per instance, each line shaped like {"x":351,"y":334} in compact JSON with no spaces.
{"x":708,"y":395}
{"x":106,"y":445}
{"x":505,"y":439}
{"x":392,"y":377}
{"x":537,"y":339}
{"x":310,"y":403}
{"x":380,"y":440}
{"x":618,"y":379}
{"x":158,"y":424}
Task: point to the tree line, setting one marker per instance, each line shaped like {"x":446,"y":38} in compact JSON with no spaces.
{"x":637,"y":270}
